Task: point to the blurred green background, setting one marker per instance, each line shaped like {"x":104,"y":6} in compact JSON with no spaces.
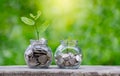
{"x":94,"y":23}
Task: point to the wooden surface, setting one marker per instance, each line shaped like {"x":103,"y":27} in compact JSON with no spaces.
{"x":55,"y":71}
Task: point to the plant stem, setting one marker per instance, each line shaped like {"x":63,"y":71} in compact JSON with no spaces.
{"x":67,"y":45}
{"x":37,"y":32}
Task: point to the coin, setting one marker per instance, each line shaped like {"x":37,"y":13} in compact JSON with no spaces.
{"x":77,"y":58}
{"x":72,"y":61}
{"x":43,"y":59}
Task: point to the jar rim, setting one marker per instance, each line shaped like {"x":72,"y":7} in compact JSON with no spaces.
{"x":69,"y":42}
{"x":40,"y":41}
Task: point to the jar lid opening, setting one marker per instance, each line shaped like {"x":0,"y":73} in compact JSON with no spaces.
{"x":40,"y":41}
{"x":69,"y":42}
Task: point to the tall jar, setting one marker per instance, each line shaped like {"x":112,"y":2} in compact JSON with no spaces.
{"x":68,"y":55}
{"x":38,"y":54}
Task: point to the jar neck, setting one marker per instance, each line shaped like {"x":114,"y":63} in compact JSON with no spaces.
{"x":39,"y":42}
{"x":69,"y":42}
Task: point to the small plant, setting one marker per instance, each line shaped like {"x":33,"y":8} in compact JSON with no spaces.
{"x":32,"y":21}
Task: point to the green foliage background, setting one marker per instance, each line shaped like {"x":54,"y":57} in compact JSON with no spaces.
{"x":94,"y":23}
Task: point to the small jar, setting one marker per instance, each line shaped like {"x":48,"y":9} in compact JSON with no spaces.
{"x":38,"y":54}
{"x":68,"y":55}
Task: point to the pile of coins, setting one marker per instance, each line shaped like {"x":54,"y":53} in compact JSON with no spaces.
{"x":38,"y":57}
{"x":68,"y":59}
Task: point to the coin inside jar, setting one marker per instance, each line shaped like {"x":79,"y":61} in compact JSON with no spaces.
{"x":68,"y":59}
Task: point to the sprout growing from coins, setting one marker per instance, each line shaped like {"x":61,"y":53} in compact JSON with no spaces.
{"x":37,"y":54}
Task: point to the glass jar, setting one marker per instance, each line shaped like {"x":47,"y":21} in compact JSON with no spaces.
{"x":38,"y":54}
{"x":68,"y":55}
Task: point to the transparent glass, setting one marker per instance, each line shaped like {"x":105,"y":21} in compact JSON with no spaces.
{"x":68,"y":55}
{"x":38,"y":54}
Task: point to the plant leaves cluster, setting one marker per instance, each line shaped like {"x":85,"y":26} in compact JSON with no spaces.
{"x":30,"y":21}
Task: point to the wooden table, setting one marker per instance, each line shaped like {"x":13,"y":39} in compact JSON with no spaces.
{"x":55,"y":71}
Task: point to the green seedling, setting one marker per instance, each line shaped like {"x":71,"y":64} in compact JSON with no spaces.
{"x":32,"y":22}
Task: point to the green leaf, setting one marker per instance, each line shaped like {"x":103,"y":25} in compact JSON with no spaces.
{"x":44,"y":27}
{"x":31,"y":15}
{"x":38,"y":15}
{"x":27,"y":21}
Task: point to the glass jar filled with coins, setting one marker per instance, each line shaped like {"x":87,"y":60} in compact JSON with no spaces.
{"x":38,"y":54}
{"x":68,"y":55}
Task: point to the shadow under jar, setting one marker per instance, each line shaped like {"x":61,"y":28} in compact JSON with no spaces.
{"x":68,"y":55}
{"x":38,"y":54}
